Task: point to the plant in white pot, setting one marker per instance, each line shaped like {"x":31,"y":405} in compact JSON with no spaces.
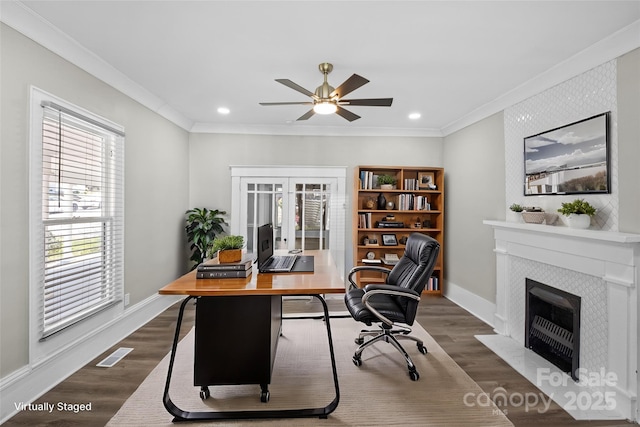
{"x":578,"y":213}
{"x":515,"y":213}
{"x":387,"y":182}
{"x":229,"y":248}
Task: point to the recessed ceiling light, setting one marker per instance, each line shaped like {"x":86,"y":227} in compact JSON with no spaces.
{"x":414,"y":116}
{"x":223,"y":110}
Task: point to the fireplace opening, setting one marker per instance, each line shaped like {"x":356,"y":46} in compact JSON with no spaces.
{"x":552,"y":325}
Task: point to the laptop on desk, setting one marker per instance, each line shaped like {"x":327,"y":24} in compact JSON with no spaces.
{"x":270,"y":263}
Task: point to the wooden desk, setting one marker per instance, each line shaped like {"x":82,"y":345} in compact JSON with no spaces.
{"x":325,"y":279}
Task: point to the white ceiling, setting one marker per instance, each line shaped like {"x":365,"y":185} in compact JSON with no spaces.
{"x":450,"y":61}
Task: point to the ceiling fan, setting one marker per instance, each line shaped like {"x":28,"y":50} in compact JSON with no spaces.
{"x":327,"y":100}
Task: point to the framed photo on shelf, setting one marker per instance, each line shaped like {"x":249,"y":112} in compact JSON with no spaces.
{"x":389,"y":240}
{"x":426,"y":181}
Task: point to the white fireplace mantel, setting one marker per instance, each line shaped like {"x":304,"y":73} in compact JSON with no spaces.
{"x":612,"y":258}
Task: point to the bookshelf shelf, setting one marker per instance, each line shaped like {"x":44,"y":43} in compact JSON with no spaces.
{"x":416,"y":206}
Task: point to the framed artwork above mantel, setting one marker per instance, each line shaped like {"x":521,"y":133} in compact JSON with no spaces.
{"x":570,"y":159}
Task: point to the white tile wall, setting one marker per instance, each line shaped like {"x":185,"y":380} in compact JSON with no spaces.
{"x":583,"y":96}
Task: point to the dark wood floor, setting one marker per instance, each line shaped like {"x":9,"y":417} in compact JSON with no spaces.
{"x":452,"y":327}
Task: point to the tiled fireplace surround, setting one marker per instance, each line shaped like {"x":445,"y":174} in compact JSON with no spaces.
{"x":599,"y":266}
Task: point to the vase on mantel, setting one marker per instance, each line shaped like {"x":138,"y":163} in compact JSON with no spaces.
{"x":580,"y":221}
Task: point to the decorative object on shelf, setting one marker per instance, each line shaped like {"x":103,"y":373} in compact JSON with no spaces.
{"x":389,"y":240}
{"x":386,"y":182}
{"x":389,"y":217}
{"x":382,"y":201}
{"x":417,"y":223}
{"x":403,"y":240}
{"x":550,"y":218}
{"x":371,"y":255}
{"x":390,"y":205}
{"x":202,"y":227}
{"x":426,"y":181}
{"x":229,"y":248}
{"x":578,"y":213}
{"x":370,"y":203}
{"x":365,"y":241}
{"x":426,"y":223}
{"x":533,"y":216}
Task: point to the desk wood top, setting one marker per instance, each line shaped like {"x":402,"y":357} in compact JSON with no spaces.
{"x":324,"y":280}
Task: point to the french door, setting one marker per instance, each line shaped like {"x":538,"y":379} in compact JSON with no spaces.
{"x":305,"y":206}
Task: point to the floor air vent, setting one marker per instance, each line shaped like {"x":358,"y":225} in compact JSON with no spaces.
{"x":114,"y":357}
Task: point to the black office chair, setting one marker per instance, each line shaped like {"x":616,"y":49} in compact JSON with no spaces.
{"x":396,"y":301}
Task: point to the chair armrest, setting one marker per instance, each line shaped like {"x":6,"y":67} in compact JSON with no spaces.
{"x":393,"y":290}
{"x":358,"y":268}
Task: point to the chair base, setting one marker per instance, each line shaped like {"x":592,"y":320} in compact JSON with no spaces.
{"x":391,"y":336}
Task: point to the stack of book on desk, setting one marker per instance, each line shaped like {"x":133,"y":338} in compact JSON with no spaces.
{"x":214,"y":270}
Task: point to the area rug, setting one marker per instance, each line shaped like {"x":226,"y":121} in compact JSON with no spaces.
{"x":378,"y":393}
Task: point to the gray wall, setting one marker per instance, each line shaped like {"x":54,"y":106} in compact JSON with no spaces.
{"x":212,"y":154}
{"x":156,"y":183}
{"x":474,"y":171}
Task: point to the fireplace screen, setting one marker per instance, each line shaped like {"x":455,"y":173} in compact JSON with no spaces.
{"x":552,"y":325}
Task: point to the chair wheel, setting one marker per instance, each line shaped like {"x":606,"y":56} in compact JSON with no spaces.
{"x":357,"y":361}
{"x":422,"y":349}
{"x":414,"y":375}
{"x":359,"y":340}
{"x":204,"y":393}
{"x":264,"y":396}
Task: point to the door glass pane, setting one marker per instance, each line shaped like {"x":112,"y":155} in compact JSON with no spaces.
{"x":264,"y":206}
{"x":312,"y":217}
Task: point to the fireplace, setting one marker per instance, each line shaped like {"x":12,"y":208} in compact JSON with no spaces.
{"x":552,"y":325}
{"x":603,"y":269}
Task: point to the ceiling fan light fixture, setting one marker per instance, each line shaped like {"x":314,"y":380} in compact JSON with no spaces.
{"x":325,"y":108}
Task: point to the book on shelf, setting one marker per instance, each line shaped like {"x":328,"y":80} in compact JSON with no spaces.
{"x":389,"y":224}
{"x":432,"y":284}
{"x":368,"y":180}
{"x":371,"y":261}
{"x":223,"y":274}
{"x":213,"y":265}
{"x":412,"y":202}
{"x":364,"y":220}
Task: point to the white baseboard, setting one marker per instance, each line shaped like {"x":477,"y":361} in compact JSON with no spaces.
{"x":30,"y":382}
{"x":479,"y":307}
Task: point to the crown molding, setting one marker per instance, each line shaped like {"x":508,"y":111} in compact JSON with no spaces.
{"x":296,"y":129}
{"x":22,"y":19}
{"x":619,"y":43}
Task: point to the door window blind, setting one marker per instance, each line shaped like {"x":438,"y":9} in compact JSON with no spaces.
{"x":82,"y":218}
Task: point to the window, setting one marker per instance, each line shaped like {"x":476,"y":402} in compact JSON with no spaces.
{"x":77,"y":214}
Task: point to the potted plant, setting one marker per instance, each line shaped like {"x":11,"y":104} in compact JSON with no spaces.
{"x":202,"y":227}
{"x":229,"y":248}
{"x":578,"y":213}
{"x":387,"y":182}
{"x":515,"y":211}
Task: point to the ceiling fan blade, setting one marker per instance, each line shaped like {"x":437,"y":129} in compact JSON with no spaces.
{"x":286,"y":103}
{"x":306,"y":115}
{"x":373,"y":102}
{"x":346,"y":114}
{"x":349,"y":85}
{"x":294,"y":86}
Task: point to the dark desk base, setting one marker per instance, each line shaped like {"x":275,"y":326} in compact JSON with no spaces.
{"x":181,"y":415}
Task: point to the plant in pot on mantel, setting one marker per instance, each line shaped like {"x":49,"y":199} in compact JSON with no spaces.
{"x":229,"y":248}
{"x":515,"y":212}
{"x":578,"y":213}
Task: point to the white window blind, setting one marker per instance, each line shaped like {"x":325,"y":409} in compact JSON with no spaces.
{"x":81,"y":271}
